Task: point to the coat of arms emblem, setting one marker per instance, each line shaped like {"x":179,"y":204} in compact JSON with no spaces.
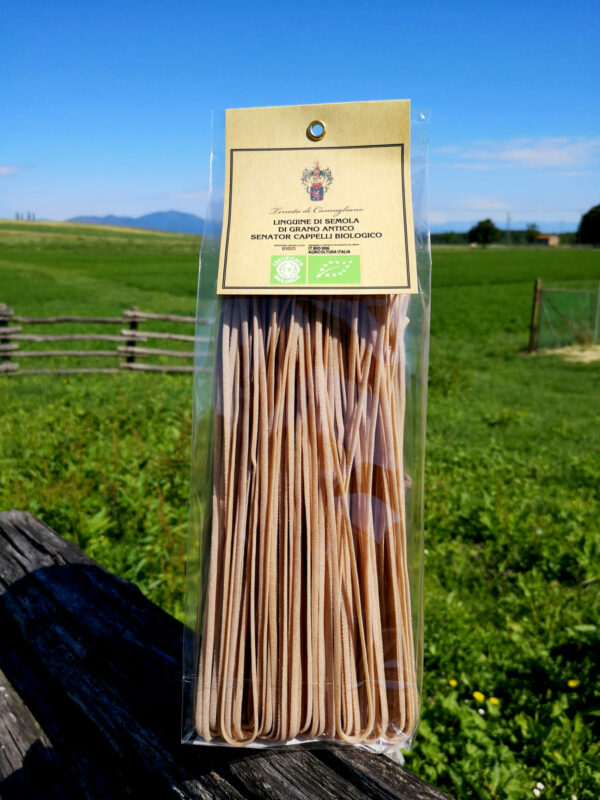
{"x":317,"y":181}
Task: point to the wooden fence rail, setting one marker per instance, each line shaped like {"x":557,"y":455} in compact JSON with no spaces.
{"x":127,"y":340}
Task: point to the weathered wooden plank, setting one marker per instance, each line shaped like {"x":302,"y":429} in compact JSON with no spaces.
{"x":83,"y":370}
{"x":107,"y":674}
{"x":43,"y":755}
{"x":177,"y":337}
{"x":19,"y":731}
{"x":68,"y":318}
{"x":269,"y":774}
{"x":75,"y":337}
{"x":8,"y":347}
{"x":153,"y":351}
{"x":8,"y":367}
{"x":155,"y":368}
{"x":9,"y":330}
{"x":141,"y":316}
{"x":380,"y":778}
{"x":60,"y":353}
{"x":90,"y":633}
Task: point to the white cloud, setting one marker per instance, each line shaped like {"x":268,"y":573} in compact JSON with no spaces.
{"x":8,"y":169}
{"x":564,"y":152}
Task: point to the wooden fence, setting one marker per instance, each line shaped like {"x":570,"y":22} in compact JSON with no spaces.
{"x":14,"y":344}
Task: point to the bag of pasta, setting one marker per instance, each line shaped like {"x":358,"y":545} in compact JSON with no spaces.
{"x":304,"y":596}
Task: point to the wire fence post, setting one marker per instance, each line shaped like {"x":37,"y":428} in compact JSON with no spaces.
{"x":535,"y":315}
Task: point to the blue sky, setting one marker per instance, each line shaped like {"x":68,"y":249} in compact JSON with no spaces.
{"x":105,"y":107}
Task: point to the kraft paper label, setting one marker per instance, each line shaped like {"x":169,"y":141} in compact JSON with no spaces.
{"x":318,"y":200}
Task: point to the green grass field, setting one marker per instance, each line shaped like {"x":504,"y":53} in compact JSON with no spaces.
{"x":512,"y":582}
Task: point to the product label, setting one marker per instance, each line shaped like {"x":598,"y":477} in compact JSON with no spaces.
{"x":318,"y":200}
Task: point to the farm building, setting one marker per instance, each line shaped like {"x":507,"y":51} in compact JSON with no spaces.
{"x":548,"y":239}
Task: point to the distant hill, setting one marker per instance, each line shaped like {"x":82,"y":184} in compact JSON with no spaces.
{"x":171,"y":221}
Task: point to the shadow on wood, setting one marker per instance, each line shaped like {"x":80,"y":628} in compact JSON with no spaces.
{"x":90,"y":696}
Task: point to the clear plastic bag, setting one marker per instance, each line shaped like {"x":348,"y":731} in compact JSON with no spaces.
{"x":304,"y":613}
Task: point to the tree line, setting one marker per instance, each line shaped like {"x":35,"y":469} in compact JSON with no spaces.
{"x":485,"y":232}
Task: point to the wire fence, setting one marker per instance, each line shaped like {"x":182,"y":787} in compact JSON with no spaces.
{"x":565,"y":314}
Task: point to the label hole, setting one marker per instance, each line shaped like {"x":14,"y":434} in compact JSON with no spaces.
{"x":316,"y":130}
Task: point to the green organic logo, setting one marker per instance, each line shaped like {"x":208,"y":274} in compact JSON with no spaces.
{"x":333,"y":269}
{"x":288,"y":270}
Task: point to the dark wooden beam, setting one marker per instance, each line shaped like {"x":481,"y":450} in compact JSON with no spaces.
{"x":91,"y":671}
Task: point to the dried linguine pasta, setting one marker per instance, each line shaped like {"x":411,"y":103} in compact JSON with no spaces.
{"x":306,"y":614}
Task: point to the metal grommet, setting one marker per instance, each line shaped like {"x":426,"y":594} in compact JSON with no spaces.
{"x":316,"y":130}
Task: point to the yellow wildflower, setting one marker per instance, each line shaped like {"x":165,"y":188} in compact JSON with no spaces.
{"x":572,"y":683}
{"x":453,"y":682}
{"x":494,"y":701}
{"x":479,"y":696}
